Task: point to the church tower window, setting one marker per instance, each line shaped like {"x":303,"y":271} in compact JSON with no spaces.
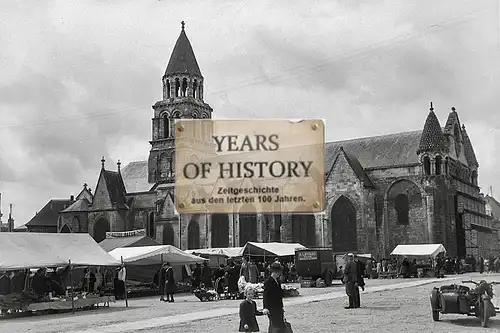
{"x":427,"y":165}
{"x":166,"y":126}
{"x":168,"y":88}
{"x":439,"y":163}
{"x":184,"y":87}
{"x":177,"y":88}
{"x":195,"y":88}
{"x":402,"y":209}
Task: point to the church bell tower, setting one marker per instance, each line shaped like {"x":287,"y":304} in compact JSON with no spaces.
{"x":182,"y":99}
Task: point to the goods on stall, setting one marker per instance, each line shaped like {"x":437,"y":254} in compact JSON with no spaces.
{"x":205,"y":295}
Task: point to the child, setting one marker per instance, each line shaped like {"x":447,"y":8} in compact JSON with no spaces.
{"x":248,"y":311}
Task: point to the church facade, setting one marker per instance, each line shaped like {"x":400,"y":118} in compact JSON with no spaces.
{"x":406,"y":188}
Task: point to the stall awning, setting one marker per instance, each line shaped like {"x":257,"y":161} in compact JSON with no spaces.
{"x":152,"y":255}
{"x":418,"y":250}
{"x":34,"y":250}
{"x":270,"y":249}
{"x":230,"y":252}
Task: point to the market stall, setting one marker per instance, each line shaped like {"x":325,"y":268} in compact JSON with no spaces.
{"x":147,"y":256}
{"x":270,"y":250}
{"x":217,"y":256}
{"x":423,"y":255}
{"x":20,"y":252}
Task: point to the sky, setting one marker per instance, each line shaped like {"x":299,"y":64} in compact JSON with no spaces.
{"x":78,"y":78}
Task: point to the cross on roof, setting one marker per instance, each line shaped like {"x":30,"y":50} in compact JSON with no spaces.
{"x":183,"y":24}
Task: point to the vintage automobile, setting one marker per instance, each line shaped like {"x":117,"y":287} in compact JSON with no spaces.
{"x":460,"y":299}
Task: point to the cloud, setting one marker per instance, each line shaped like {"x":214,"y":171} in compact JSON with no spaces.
{"x":78,"y":80}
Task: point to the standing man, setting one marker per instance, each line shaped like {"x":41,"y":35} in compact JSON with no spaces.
{"x":169,"y":283}
{"x":360,"y":270}
{"x":273,"y":299}
{"x":161,"y":282}
{"x":350,"y":279}
{"x":245,"y":271}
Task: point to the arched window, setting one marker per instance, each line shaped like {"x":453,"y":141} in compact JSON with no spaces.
{"x":166,"y":126}
{"x":168,"y":88}
{"x":195,"y":88}
{"x":194,"y":233}
{"x":427,"y":165}
{"x":65,"y":230}
{"x":474,"y":177}
{"x":439,"y":163}
{"x":402,"y":209}
{"x":177,"y":88}
{"x":151,"y":226}
{"x":184,"y":87}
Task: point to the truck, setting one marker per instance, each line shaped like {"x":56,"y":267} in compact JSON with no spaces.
{"x":314,"y":263}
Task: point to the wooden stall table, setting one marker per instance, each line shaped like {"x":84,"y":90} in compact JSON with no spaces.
{"x":66,"y":305}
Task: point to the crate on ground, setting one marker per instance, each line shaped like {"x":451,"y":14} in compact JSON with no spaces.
{"x":307,"y":283}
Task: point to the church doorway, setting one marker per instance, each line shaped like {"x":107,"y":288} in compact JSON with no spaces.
{"x":248,"y":227}
{"x":65,"y":230}
{"x":168,"y":235}
{"x":304,"y":229}
{"x":343,"y":222}
{"x":220,"y":230}
{"x":194,"y":233}
{"x":100,"y":229}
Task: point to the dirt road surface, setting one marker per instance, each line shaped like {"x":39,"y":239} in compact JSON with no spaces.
{"x":399,"y":305}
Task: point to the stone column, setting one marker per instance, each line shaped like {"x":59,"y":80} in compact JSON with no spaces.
{"x":208,"y":223}
{"x":430,"y":217}
{"x":231,"y":230}
{"x":189,"y":90}
{"x":433,"y":166}
{"x":172,"y":87}
{"x":386,"y":228}
{"x":286,"y":233}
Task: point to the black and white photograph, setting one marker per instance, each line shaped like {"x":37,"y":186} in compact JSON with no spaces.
{"x":249,"y":166}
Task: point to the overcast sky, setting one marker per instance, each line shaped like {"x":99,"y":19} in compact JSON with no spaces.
{"x":78,"y":78}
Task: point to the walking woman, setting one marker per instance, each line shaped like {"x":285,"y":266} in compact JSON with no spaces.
{"x":273,"y":299}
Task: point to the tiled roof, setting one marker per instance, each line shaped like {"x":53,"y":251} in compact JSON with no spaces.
{"x":49,"y":213}
{"x":135,"y":177}
{"x":116,"y":188}
{"x":183,"y":60}
{"x":469,"y":150}
{"x":432,"y":139}
{"x":110,"y":244}
{"x":81,"y":205}
{"x":391,"y":150}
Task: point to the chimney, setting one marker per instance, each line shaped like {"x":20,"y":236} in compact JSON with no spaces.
{"x":72,"y":198}
{"x":119,"y":164}
{"x":0,"y":209}
{"x":11,"y":220}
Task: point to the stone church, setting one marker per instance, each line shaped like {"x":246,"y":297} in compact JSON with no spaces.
{"x":405,"y":188}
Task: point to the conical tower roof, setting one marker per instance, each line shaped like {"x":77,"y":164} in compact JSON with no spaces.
{"x":470,"y":155}
{"x":183,"y":60}
{"x":432,"y":139}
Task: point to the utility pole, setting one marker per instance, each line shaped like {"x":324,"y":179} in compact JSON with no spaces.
{"x":11,"y":220}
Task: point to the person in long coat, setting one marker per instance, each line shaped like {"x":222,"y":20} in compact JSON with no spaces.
{"x":245,"y":270}
{"x":360,"y":281}
{"x":169,"y":283}
{"x":161,"y":282}
{"x":232,"y":280}
{"x":350,"y":279}
{"x":253,"y":273}
{"x":273,"y":299}
{"x":206,"y":275}
{"x":369,"y":268}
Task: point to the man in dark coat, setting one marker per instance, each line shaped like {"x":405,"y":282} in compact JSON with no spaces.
{"x":350,"y":279}
{"x":161,"y":282}
{"x":273,"y":299}
{"x":360,"y":270}
{"x":197,"y":276}
{"x":206,"y":274}
{"x":169,"y":283}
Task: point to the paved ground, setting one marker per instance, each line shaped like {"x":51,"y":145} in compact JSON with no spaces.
{"x":385,"y":309}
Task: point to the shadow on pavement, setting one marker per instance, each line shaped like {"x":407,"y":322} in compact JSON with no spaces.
{"x":472,"y":322}
{"x":39,"y":317}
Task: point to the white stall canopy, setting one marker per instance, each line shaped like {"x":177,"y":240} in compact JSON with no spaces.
{"x":153,"y":255}
{"x":419,"y":250}
{"x":33,"y":250}
{"x":270,"y":249}
{"x":230,"y":252}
